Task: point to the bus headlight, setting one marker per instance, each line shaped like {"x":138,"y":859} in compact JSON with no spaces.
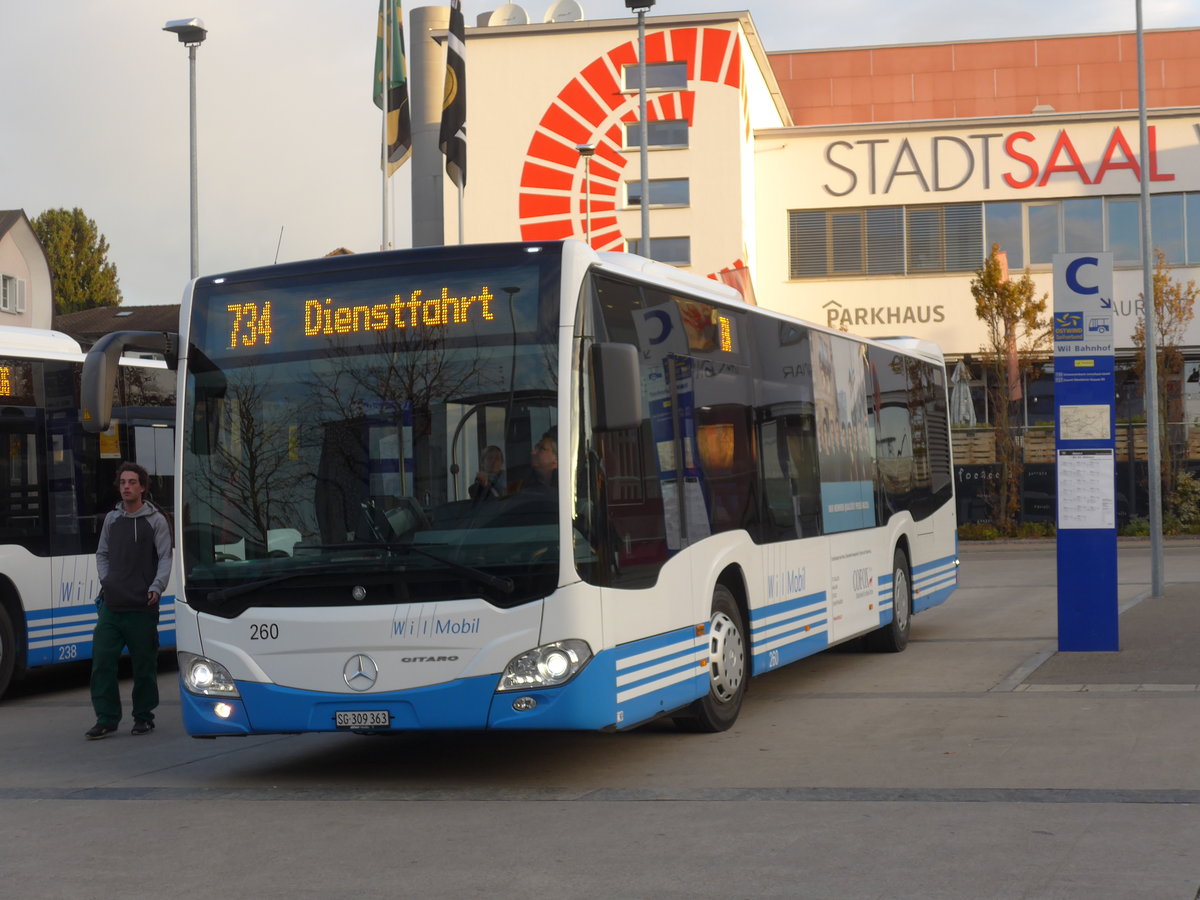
{"x":205,"y":676}
{"x":547,"y":666}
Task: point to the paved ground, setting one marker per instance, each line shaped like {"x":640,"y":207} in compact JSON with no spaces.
{"x":1160,"y":650}
{"x":980,"y":763}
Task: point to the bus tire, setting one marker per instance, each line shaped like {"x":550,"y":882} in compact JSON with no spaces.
{"x":8,"y":650}
{"x":893,"y":637}
{"x":728,"y":669}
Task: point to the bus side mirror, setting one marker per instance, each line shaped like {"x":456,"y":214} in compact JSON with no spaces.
{"x":616,"y":387}
{"x":102,"y":362}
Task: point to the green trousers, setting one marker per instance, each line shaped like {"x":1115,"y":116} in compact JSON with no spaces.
{"x":114,"y":631}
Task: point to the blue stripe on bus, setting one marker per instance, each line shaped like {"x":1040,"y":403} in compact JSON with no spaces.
{"x":64,"y":634}
{"x":933,"y":582}
{"x":660,"y":673}
{"x":789,"y":630}
{"x":272,"y":708}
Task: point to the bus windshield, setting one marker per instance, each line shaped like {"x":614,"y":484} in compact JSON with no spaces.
{"x":372,"y":434}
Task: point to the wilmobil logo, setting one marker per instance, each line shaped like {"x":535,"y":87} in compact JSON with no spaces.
{"x":787,"y":584}
{"x":421,"y":627}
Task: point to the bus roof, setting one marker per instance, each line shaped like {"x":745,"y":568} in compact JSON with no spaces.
{"x":648,"y":267}
{"x":916,"y":346}
{"x":17,"y":340}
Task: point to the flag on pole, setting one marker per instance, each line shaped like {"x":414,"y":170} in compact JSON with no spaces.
{"x":453,"y":137}
{"x":389,"y":57}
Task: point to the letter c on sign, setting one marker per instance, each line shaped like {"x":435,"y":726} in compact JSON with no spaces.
{"x":1072,"y":270}
{"x":665,"y":320}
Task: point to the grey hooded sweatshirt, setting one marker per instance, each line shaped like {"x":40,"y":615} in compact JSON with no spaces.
{"x":133,"y":557}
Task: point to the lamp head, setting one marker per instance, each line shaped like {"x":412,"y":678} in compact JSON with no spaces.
{"x":586,"y":150}
{"x":191,"y":32}
{"x":638,"y":4}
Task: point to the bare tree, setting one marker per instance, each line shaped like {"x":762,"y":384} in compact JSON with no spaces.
{"x":254,"y":475}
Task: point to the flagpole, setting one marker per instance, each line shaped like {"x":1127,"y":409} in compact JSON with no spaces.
{"x":452,"y":136}
{"x":383,"y":140}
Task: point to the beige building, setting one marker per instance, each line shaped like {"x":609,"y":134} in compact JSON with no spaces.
{"x":537,"y":92}
{"x":26,"y":292}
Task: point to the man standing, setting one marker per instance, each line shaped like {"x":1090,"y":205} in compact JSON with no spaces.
{"x":133,"y":560}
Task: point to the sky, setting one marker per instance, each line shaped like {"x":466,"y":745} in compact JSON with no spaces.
{"x":95,"y":111}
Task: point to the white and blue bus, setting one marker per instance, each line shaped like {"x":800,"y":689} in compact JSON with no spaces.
{"x":734,"y":490}
{"x":57,"y":486}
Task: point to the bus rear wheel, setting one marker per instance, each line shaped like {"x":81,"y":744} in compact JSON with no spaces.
{"x":8,"y":650}
{"x":727,"y":669}
{"x":893,"y":637}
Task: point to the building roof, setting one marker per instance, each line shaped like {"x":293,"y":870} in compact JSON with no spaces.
{"x":988,"y":78}
{"x":9,"y":218}
{"x":89,"y":325}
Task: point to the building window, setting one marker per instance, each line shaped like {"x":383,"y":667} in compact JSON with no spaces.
{"x":885,"y":240}
{"x":1166,"y":223}
{"x":662,"y":133}
{"x":1083,"y":224}
{"x":663,"y":192}
{"x":1124,"y":238}
{"x":1002,"y":225}
{"x":676,"y":251}
{"x":667,"y":76}
{"x":12,"y":294}
{"x":1043,"y":232}
{"x":1192,"y":211}
{"x":909,"y":240}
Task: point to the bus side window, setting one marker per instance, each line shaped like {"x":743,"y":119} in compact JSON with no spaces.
{"x":22,"y":481}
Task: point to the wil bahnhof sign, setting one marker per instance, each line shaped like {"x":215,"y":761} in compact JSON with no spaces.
{"x":1085,"y":451}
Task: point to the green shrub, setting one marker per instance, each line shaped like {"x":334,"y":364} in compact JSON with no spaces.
{"x":978,"y":531}
{"x":1135,"y":528}
{"x":1186,"y":501}
{"x":1035,"y":530}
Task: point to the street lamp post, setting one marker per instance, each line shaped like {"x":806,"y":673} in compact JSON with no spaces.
{"x":1149,"y":329}
{"x":191,"y":33}
{"x":641,"y":7}
{"x":587,"y":151}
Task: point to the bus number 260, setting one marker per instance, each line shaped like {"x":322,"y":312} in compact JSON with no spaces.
{"x":264,"y":632}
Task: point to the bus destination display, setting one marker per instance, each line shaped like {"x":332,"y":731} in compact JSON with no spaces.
{"x":252,"y":323}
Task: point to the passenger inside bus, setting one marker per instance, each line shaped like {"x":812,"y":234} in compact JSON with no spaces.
{"x":490,"y":482}
{"x":544,"y":463}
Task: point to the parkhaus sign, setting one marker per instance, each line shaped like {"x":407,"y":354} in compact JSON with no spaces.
{"x":1085,"y":154}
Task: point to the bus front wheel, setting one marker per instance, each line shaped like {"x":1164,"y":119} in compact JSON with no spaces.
{"x":893,"y":637}
{"x":727,"y":669}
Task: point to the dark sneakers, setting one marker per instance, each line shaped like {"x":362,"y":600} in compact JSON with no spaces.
{"x":98,"y":731}
{"x":141,"y":727}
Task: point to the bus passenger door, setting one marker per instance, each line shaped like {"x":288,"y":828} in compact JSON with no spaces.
{"x":24,"y":537}
{"x":73,"y":493}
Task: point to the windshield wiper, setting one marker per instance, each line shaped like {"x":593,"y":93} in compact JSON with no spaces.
{"x":223,"y":594}
{"x":500,"y":583}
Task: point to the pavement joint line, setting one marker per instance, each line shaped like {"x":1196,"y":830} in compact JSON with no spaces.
{"x":1104,"y":687}
{"x":795,"y":794}
{"x":1016,"y":678}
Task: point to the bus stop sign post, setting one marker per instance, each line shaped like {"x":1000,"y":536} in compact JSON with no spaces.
{"x":1085,"y":452}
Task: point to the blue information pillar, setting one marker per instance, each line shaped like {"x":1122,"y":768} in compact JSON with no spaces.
{"x":1085,"y":451}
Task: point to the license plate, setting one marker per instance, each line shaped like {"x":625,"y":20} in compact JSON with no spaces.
{"x":362,"y":718}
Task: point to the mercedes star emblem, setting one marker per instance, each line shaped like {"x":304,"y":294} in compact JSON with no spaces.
{"x":360,"y":672}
